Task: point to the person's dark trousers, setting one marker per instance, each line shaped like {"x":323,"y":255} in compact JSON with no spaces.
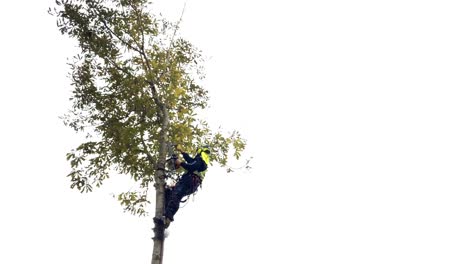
{"x":187,"y":185}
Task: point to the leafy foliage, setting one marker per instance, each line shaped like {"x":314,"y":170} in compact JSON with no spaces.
{"x":135,"y":89}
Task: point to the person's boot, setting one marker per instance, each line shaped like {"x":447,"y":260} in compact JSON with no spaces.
{"x":168,"y":216}
{"x":167,"y":222}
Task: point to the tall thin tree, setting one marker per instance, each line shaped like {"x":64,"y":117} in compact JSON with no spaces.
{"x":136,"y":90}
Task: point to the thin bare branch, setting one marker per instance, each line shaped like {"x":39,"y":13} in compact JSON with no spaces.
{"x":152,"y":85}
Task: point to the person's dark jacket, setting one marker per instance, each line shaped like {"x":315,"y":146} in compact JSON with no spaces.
{"x":193,"y":164}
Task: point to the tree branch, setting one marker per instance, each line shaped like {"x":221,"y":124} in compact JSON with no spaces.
{"x":119,"y":68}
{"x":168,"y":59}
{"x":147,"y":152}
{"x":142,"y":46}
{"x":112,"y":33}
{"x":156,"y":100}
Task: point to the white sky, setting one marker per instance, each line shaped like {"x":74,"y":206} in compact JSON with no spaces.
{"x":355,"y":112}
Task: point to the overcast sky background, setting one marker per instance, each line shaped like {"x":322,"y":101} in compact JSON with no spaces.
{"x":355,"y":112}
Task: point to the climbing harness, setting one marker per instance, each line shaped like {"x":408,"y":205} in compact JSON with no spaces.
{"x":196,"y":185}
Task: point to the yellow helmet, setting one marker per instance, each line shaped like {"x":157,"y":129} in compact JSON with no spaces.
{"x":203,"y":149}
{"x":203,"y":152}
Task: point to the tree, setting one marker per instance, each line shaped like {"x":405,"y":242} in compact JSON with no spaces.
{"x":135,"y":91}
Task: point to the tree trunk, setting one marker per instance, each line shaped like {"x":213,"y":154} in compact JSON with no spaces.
{"x":158,"y":239}
{"x":160,"y":185}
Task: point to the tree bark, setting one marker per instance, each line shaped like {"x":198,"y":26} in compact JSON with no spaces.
{"x":160,"y":185}
{"x":158,"y":239}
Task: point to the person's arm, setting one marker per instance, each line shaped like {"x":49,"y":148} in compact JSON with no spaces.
{"x":187,"y":157}
{"x":197,"y":164}
{"x":190,"y":164}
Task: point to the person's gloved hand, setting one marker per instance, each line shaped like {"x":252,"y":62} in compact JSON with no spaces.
{"x":179,"y":148}
{"x":177,"y":163}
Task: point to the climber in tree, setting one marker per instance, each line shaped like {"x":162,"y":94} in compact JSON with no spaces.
{"x":189,"y":182}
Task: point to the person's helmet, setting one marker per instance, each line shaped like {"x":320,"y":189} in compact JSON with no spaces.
{"x":204,"y":149}
{"x":204,"y":152}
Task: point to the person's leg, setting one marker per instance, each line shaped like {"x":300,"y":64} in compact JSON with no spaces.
{"x":176,"y":194}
